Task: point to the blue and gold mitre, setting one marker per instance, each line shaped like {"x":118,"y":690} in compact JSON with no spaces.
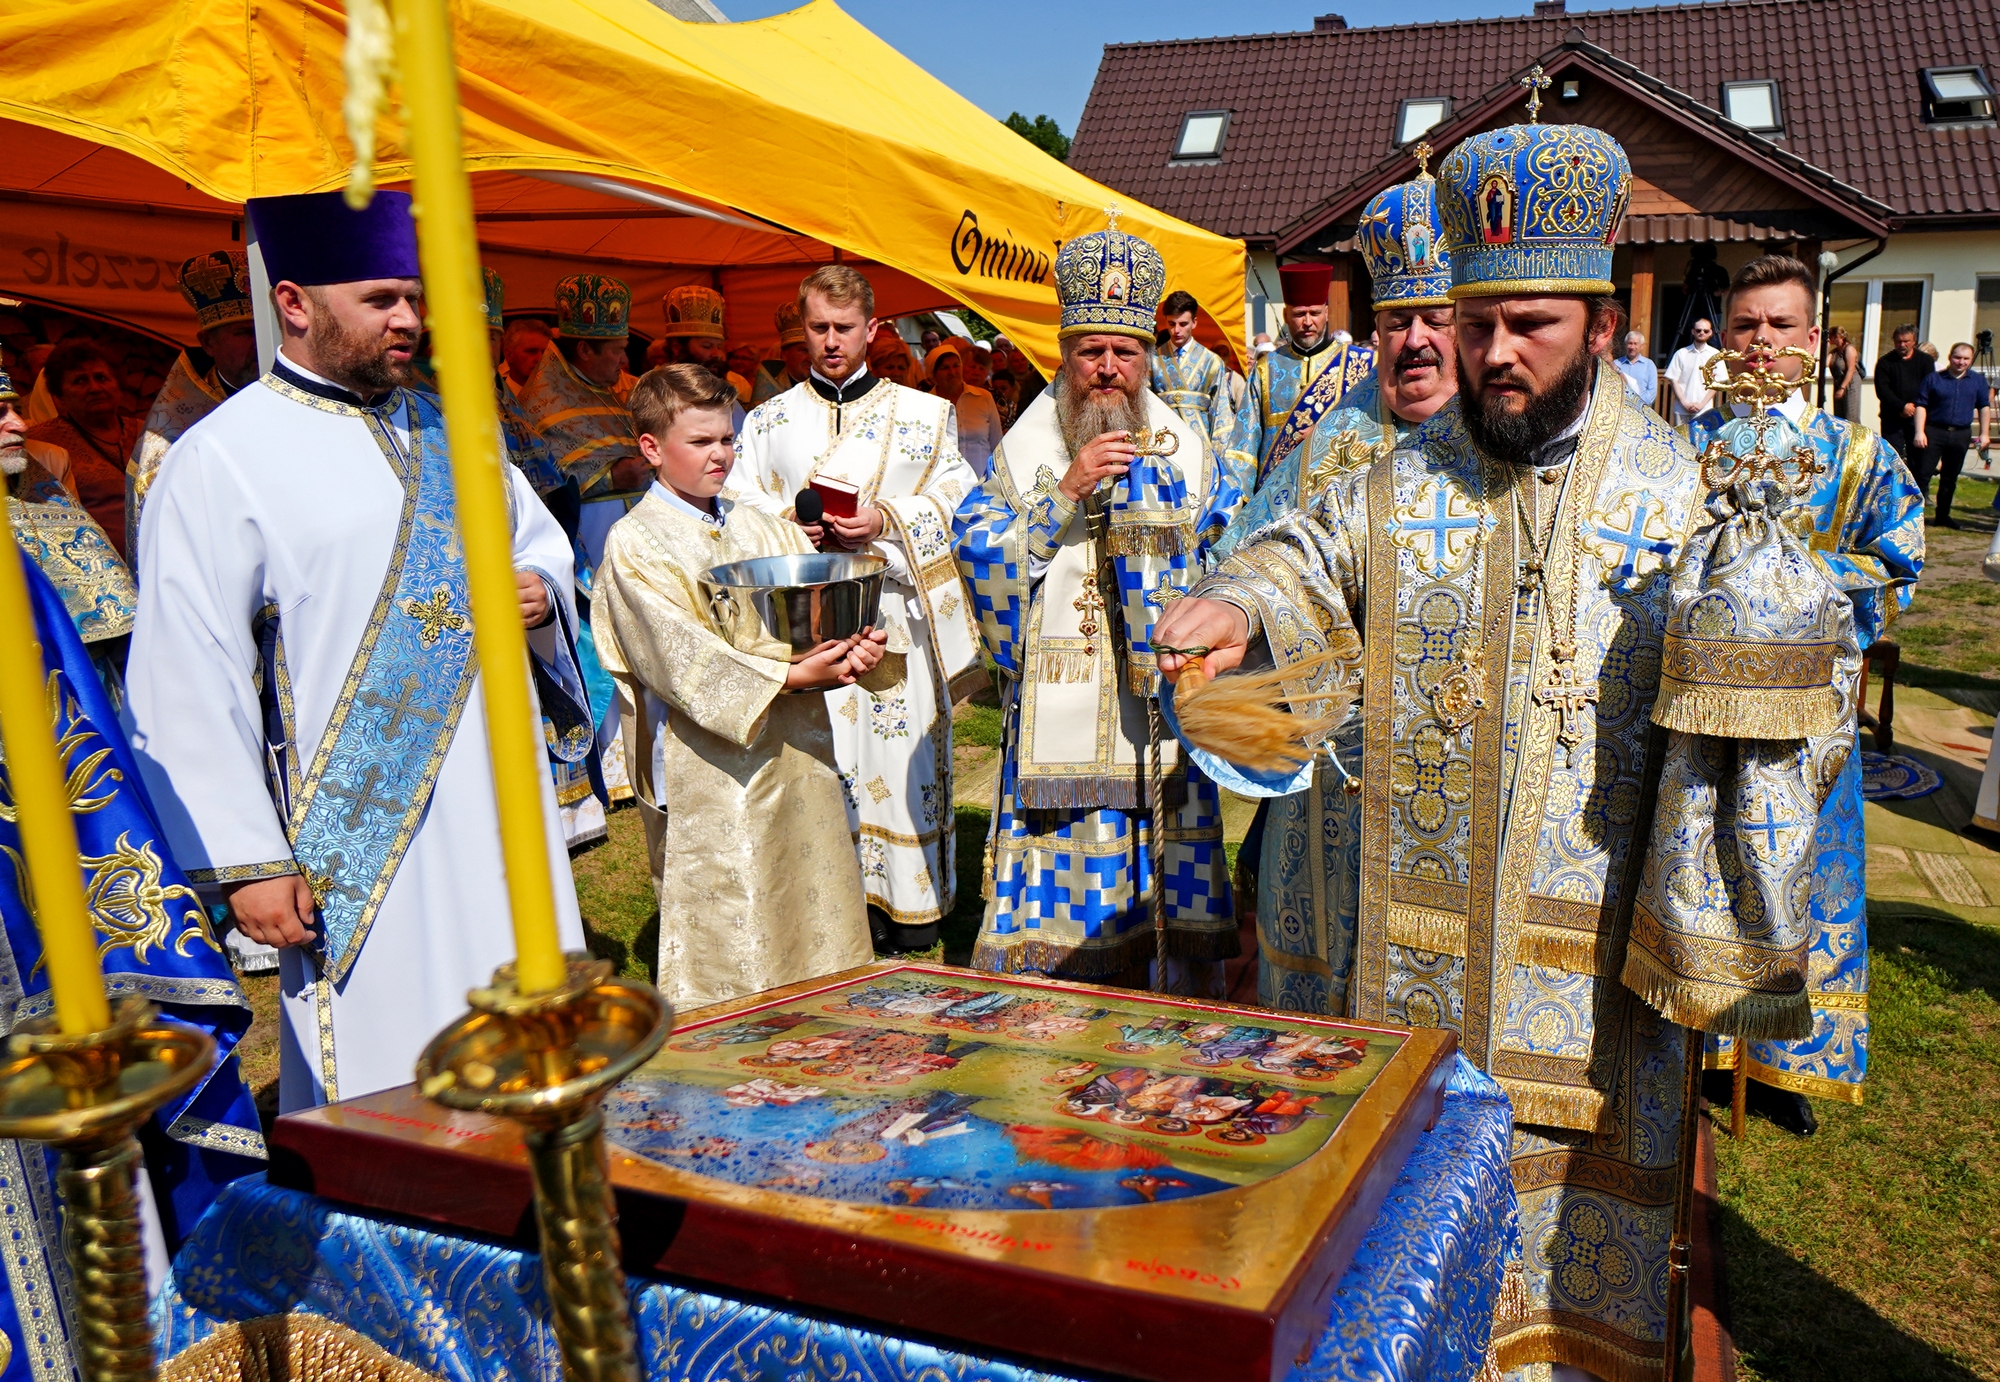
{"x":217,"y":286}
{"x":1110,"y":283}
{"x":496,"y":299}
{"x":7,"y":394}
{"x":593,"y":307}
{"x":1533,"y":209}
{"x":1400,"y":238}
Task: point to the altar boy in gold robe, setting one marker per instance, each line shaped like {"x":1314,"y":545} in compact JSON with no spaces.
{"x":745,"y":823}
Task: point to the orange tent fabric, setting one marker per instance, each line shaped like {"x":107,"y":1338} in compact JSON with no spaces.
{"x":790,"y":138}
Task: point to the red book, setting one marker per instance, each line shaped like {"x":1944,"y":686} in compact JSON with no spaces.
{"x":841,"y":499}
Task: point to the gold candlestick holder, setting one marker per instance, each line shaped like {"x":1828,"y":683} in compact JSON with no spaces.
{"x":86,"y":1096}
{"x":546,"y":1061}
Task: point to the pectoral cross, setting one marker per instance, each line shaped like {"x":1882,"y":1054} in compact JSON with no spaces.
{"x":362,"y":797}
{"x":1567,"y":695}
{"x":1090,"y":604}
{"x":1536,"y":83}
{"x":399,"y":707}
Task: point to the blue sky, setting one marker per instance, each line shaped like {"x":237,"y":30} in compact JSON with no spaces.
{"x":1038,"y":56}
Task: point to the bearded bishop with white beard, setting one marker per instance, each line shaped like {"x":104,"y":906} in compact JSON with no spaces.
{"x":1100,"y":507}
{"x":1603,"y":697}
{"x":309,"y":715}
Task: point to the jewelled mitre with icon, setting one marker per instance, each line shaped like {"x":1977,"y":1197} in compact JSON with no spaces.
{"x":1533,"y":209}
{"x":1401,"y":239}
{"x":1110,"y":283}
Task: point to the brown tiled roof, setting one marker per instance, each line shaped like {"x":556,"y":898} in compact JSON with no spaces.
{"x":1314,"y":113}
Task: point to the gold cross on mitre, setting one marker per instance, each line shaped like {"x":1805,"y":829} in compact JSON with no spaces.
{"x":1423,"y":153}
{"x":1536,"y":83}
{"x":1111,"y":217}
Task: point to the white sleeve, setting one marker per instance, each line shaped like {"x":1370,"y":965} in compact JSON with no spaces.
{"x":197,"y":726}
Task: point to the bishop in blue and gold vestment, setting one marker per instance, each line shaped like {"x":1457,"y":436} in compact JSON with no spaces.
{"x":1307,"y":375}
{"x":1539,"y":868}
{"x":1863,"y":520}
{"x":1066,"y":594}
{"x":1300,"y":859}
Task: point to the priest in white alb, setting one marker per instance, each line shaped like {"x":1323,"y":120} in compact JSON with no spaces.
{"x":308,"y":710}
{"x":890,"y":454}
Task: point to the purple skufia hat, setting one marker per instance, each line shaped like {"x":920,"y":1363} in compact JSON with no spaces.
{"x":317,"y":238}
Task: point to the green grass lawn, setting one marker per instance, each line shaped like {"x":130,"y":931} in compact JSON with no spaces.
{"x":1872,"y":1251}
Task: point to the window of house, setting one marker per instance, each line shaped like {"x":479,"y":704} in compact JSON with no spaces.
{"x":1957,"y":95}
{"x":1202,"y":132}
{"x":1986,"y":327}
{"x":1418,"y":115}
{"x":1753,"y":105}
{"x":1887,"y":303}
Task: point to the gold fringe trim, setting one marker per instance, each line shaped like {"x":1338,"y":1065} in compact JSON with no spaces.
{"x":1576,"y":1348}
{"x":1065,"y":668}
{"x":1149,"y":539}
{"x":1242,"y":718}
{"x":1712,"y":1007}
{"x":1742,"y":712}
{"x":1556,"y":1106}
{"x":1426,"y":928}
{"x":1578,"y":952}
{"x":289,"y":1348}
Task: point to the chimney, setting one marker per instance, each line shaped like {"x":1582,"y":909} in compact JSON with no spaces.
{"x":1331,"y":23}
{"x":1548,"y":9}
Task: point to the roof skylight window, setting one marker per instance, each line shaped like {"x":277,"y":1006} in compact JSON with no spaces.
{"x":1753,"y":105}
{"x":1202,"y":132}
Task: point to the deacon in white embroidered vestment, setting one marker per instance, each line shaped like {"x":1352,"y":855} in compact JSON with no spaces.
{"x":308,"y":711}
{"x":892,"y":453}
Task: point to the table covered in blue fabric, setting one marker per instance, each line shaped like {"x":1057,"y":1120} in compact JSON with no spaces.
{"x":1416,"y":1302}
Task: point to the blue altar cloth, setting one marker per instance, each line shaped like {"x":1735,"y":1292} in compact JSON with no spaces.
{"x":1416,"y":1303}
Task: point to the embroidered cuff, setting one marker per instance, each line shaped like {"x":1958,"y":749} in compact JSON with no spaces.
{"x":1223,"y":589}
{"x":1049,"y":514}
{"x":242,"y":873}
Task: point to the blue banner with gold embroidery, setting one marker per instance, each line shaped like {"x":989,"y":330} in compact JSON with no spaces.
{"x":371,"y":780}
{"x":154,"y":938}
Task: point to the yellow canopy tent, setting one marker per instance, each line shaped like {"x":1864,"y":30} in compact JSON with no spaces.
{"x":598,"y":131}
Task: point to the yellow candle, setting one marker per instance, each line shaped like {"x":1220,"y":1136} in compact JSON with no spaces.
{"x":455,"y":300}
{"x":41,"y":802}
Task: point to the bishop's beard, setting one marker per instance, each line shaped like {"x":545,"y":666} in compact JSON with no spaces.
{"x":1519,"y":437}
{"x":1083,"y":414}
{"x":13,"y":459}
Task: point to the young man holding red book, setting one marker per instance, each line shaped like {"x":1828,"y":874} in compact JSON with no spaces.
{"x":896,"y":449}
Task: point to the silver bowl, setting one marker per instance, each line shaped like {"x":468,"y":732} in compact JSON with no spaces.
{"x":797,"y":601}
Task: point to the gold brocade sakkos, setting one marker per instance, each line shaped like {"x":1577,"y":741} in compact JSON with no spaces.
{"x":745,"y":823}
{"x":1501,"y":844}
